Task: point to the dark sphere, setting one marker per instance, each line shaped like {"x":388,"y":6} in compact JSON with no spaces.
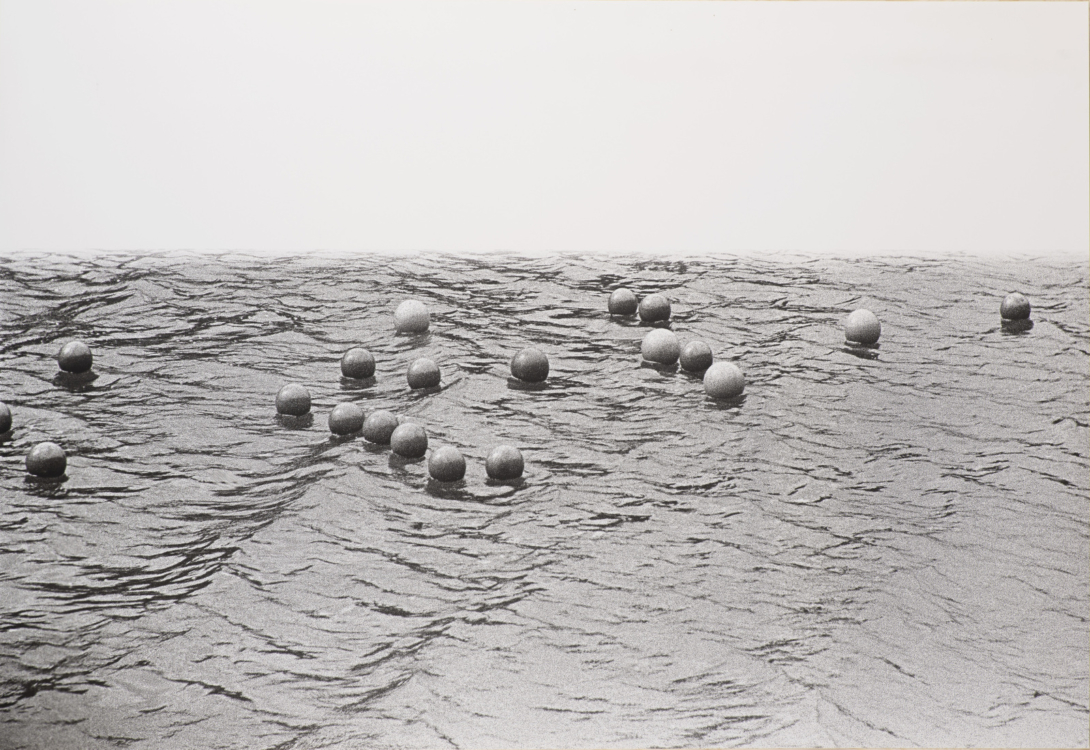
{"x":530,"y":365}
{"x":423,"y":373}
{"x":5,"y":417}
{"x":1015,"y":307}
{"x":696,"y":356}
{"x":357,"y":363}
{"x":623,"y":302}
{"x":446,"y":464}
{"x":409,"y":440}
{"x":345,"y":419}
{"x":378,"y":427}
{"x":654,"y":308}
{"x":46,"y":460}
{"x":504,"y":462}
{"x":293,"y":400}
{"x":75,"y":357}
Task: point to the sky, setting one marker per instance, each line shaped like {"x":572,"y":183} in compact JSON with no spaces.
{"x":286,"y":126}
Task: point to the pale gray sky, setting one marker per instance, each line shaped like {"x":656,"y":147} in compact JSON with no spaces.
{"x":539,"y":126}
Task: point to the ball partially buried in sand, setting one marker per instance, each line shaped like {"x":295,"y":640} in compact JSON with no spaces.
{"x":5,"y":418}
{"x":75,"y":357}
{"x":46,"y":460}
{"x":623,"y":302}
{"x":724,"y":380}
{"x":1015,"y":307}
{"x":378,"y":427}
{"x":345,"y":419}
{"x":696,"y":356}
{"x":504,"y":463}
{"x":862,"y":327}
{"x":411,"y":316}
{"x":660,"y":346}
{"x":409,"y":440}
{"x":446,"y":464}
{"x":530,"y":365}
{"x":423,"y":373}
{"x":293,"y":400}
{"x":654,"y":308}
{"x":358,"y":364}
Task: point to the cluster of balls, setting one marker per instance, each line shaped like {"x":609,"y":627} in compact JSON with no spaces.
{"x":407,"y":439}
{"x":48,"y":460}
{"x":722,"y":380}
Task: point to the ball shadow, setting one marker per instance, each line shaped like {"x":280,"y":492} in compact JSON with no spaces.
{"x":295,"y":423}
{"x":515,"y":483}
{"x":45,"y":486}
{"x":515,"y":384}
{"x":455,"y":490}
{"x":362,"y":384}
{"x":725,"y":404}
{"x":862,"y":351}
{"x":76,"y":382}
{"x":661,"y":369}
{"x":1017,"y":327}
{"x":402,"y":462}
{"x":408,"y":340}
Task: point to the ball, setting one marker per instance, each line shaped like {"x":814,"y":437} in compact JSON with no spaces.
{"x":423,"y":373}
{"x":345,"y":419}
{"x":378,"y":427}
{"x":358,"y":364}
{"x":660,"y":346}
{"x":46,"y":460}
{"x":623,"y":302}
{"x":5,"y":417}
{"x":724,"y":380}
{"x":75,"y":357}
{"x":1015,"y":307}
{"x":293,"y":400}
{"x":409,"y":440}
{"x":653,"y":308}
{"x":411,"y":316}
{"x":530,"y":365}
{"x":696,"y":356}
{"x":446,"y":464}
{"x":504,"y":462}
{"x":862,"y":327}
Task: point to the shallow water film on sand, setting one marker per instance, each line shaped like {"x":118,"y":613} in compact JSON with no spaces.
{"x":882,"y":547}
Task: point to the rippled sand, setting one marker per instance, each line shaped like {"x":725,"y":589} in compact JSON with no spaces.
{"x":875,"y":551}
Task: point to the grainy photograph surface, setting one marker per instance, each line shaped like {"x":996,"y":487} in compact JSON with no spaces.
{"x":554,"y":375}
{"x":878,"y":546}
